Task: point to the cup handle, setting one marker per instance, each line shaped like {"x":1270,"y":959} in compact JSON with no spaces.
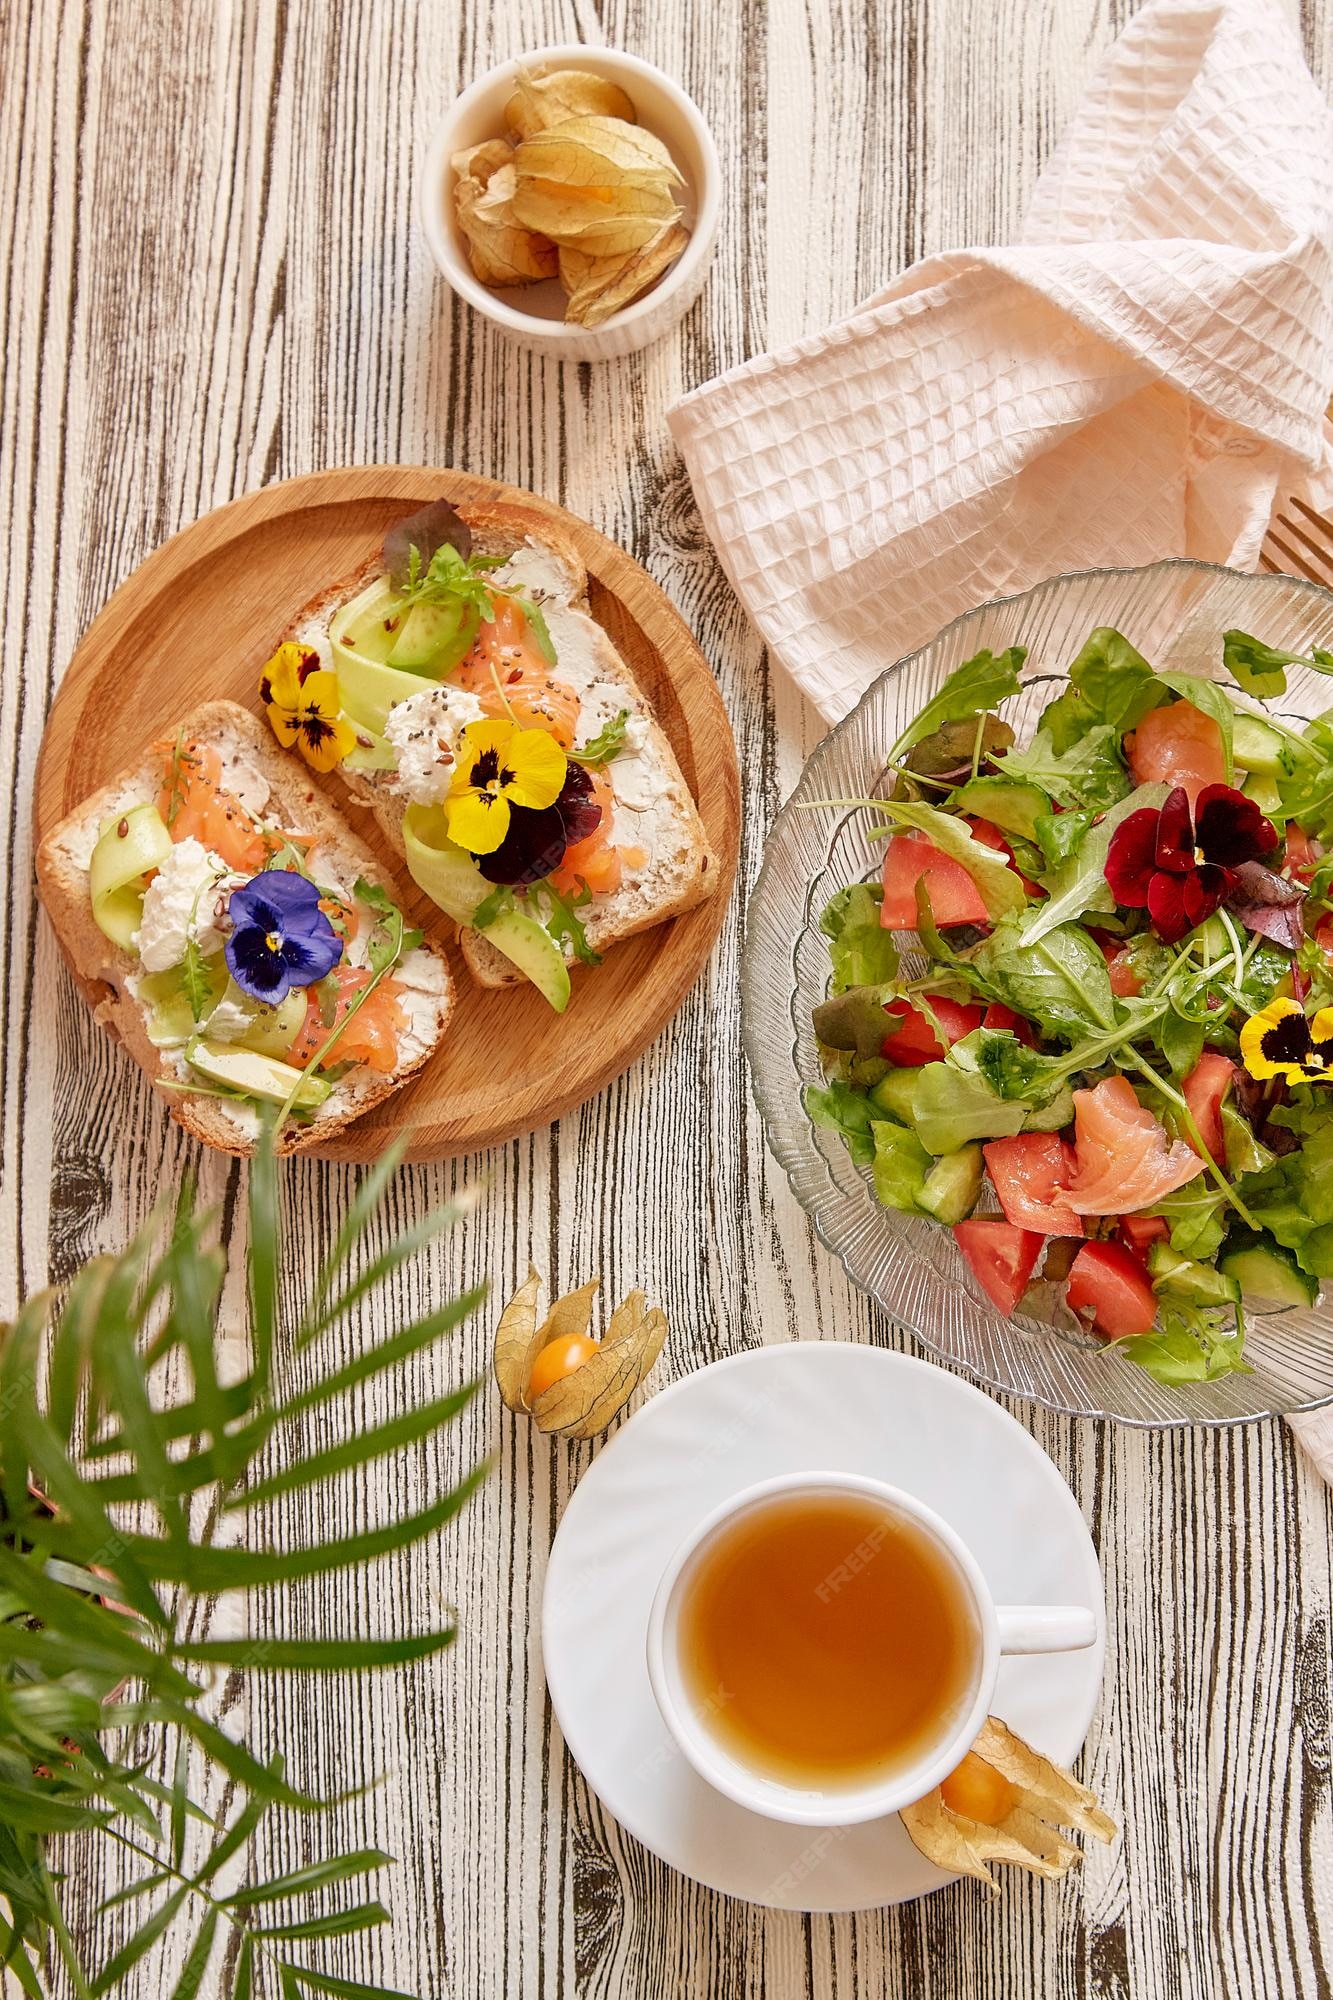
{"x":1045,"y":1628}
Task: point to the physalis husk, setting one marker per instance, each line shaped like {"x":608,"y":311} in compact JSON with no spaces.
{"x":583,"y":1401}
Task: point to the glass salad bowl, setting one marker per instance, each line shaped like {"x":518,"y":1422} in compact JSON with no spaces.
{"x":1175,"y":613}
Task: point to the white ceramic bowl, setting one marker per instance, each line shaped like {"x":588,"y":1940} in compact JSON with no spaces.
{"x":531,"y":314}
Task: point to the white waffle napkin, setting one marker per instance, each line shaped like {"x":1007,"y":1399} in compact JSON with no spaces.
{"x":1134,"y":378}
{"x":1131,"y":379}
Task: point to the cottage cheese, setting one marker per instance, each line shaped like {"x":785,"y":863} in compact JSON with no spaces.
{"x":423,"y":731}
{"x":187,"y":897}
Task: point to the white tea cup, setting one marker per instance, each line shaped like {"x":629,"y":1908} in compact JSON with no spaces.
{"x":999,"y":1630}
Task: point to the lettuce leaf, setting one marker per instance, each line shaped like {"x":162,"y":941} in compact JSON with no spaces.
{"x":970,"y":690}
{"x":1060,"y":834}
{"x":862,"y":951}
{"x":1191,"y":1344}
{"x":839,"y":1108}
{"x":899,"y":1164}
{"x":952,"y":1106}
{"x":1110,"y":684}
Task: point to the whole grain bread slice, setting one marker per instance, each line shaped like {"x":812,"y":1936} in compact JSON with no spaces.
{"x":103,"y":969}
{"x":684,"y":871}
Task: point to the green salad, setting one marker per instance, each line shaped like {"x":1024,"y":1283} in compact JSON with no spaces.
{"x":1084,"y":1017}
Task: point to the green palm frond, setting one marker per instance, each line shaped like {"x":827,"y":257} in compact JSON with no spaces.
{"x":101,"y":1574}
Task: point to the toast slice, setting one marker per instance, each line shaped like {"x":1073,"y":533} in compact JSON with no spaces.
{"x":667,"y":863}
{"x":277,"y":788}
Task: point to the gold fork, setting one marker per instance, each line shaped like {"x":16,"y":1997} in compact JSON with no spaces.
{"x":1313,"y":558}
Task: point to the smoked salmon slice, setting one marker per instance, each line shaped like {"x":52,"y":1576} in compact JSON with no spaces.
{"x":505,"y":670}
{"x":370,"y":1037}
{"x":1124,"y":1159}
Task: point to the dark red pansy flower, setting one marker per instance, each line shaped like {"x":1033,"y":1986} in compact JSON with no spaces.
{"x":1180,"y":869}
{"x":537,"y":838}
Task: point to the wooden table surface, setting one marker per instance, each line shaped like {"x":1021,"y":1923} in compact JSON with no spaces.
{"x":211,"y":279}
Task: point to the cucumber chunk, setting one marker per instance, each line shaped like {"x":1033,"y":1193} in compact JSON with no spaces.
{"x":1268,"y":1275}
{"x":1257,"y":747}
{"x":245,"y":1023}
{"x":130,"y":845}
{"x":953,"y":1185}
{"x":1183,"y":1278}
{"x":1265,"y":792}
{"x":894,"y":1095}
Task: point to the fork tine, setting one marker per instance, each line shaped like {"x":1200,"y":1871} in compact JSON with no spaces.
{"x":1320,"y":521}
{"x":1292,"y":528}
{"x":1295,"y":565}
{"x":1266,"y":562}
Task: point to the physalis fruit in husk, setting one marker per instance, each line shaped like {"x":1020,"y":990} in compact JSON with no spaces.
{"x":568,"y":1383}
{"x":502,"y":251}
{"x":541,"y":101}
{"x":585,"y":193}
{"x":1004,"y":1803}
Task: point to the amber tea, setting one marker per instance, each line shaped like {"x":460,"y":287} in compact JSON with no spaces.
{"x":826,"y":1641}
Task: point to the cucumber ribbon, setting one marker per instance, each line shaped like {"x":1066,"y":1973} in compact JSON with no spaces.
{"x":130,"y":846}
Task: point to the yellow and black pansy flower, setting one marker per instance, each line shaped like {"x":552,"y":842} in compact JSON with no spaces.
{"x":303,"y":705}
{"x":1283,"y":1041}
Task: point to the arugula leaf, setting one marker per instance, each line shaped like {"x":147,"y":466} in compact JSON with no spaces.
{"x":839,"y":1108}
{"x":608,"y":742}
{"x":899,"y":1163}
{"x":1198,"y":1215}
{"x":196,"y":984}
{"x":970,"y":690}
{"x":388,"y":939}
{"x":448,"y":578}
{"x":999,"y":888}
{"x":1210,"y":700}
{"x":1060,"y":981}
{"x":862,"y":951}
{"x":1079,"y":884}
{"x":490,"y":907}
{"x":1259,"y":669}
{"x":1114,"y":678}
{"x":1089,"y":773}
{"x":1015,"y":809}
{"x":563,"y":922}
{"x":1307,"y":793}
{"x":1111,"y":685}
{"x":176,"y":779}
{"x":1060,"y":834}
{"x":1181,"y":1040}
{"x":1192,"y":1344}
{"x":537,"y":625}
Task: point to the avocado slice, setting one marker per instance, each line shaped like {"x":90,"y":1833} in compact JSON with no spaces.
{"x":1268,"y":1275}
{"x":434,"y":637}
{"x":953,"y":1185}
{"x":256,"y":1075}
{"x":270,"y":1031}
{"x":530,"y":946}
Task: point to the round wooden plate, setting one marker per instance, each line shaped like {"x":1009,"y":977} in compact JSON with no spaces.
{"x":199,"y":618}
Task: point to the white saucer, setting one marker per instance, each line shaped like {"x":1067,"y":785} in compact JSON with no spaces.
{"x":808,"y":1405}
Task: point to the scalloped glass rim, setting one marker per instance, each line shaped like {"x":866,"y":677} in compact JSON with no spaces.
{"x":1175,"y":612}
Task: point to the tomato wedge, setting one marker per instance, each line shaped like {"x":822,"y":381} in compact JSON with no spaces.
{"x":1139,"y":1232}
{"x":1108,"y":1280}
{"x":1002,"y":1258}
{"x":1030,"y":1172}
{"x":993,"y":836}
{"x":914,"y":1042}
{"x":1205,"y":1089}
{"x":954,"y":896}
{"x":1302,"y":852}
{"x":997,"y":1015}
{"x":1178,"y":745}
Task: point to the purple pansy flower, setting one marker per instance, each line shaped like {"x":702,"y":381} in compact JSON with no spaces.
{"x":280,"y":937}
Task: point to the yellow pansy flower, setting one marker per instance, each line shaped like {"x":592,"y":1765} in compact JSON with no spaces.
{"x":303,"y":704}
{"x":500,"y":766}
{"x":1281,"y":1041}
